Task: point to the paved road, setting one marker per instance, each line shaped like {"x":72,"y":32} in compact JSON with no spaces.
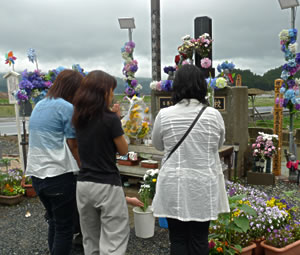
{"x":8,"y":126}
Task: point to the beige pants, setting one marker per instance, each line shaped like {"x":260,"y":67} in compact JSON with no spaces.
{"x":104,"y":218}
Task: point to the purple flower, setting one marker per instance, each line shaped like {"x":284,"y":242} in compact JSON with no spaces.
{"x":133,"y":68}
{"x":134,"y":83}
{"x":297,"y":59}
{"x":130,"y":91}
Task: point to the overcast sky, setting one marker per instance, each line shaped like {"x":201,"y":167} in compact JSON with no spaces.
{"x":86,"y":32}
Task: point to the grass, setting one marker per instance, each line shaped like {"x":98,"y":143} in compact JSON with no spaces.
{"x":285,"y":124}
{"x":7,"y":111}
{"x":262,"y":101}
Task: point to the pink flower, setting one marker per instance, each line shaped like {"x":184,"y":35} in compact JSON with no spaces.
{"x":158,"y":86}
{"x":258,"y":145}
{"x":205,"y":62}
{"x":253,"y":146}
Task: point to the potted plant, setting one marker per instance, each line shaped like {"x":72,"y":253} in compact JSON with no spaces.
{"x":284,"y":241}
{"x":273,"y":213}
{"x":27,"y":185}
{"x":232,"y":227}
{"x":11,"y":191}
{"x":144,"y":221}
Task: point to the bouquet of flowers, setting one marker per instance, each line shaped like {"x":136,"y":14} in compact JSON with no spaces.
{"x":201,"y":45}
{"x":32,"y":85}
{"x":130,"y":67}
{"x":264,"y":146}
{"x":225,"y":69}
{"x":147,"y":189}
{"x":136,"y":122}
{"x":290,"y":87}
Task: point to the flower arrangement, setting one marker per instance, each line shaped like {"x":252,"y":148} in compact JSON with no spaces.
{"x":165,"y":85}
{"x":137,"y":121}
{"x":147,"y":189}
{"x":201,"y":45}
{"x":264,"y":146}
{"x":32,"y":86}
{"x":150,"y":178}
{"x":130,"y":67}
{"x":290,"y":87}
{"x":225,"y":69}
{"x":10,"y":182}
{"x":35,"y":85}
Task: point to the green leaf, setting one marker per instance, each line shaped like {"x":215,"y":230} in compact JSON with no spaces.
{"x":242,"y":223}
{"x":236,"y":198}
{"x":233,"y":75}
{"x":248,"y":209}
{"x":238,"y":247}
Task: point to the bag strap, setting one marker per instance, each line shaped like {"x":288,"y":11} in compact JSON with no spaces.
{"x":187,"y":132}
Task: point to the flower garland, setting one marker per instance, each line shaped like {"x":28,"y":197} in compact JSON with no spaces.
{"x":290,"y":87}
{"x":130,"y":67}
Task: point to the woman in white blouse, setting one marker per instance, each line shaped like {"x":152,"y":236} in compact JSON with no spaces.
{"x":190,"y":190}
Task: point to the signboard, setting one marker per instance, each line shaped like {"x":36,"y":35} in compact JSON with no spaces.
{"x":238,"y":81}
{"x":12,"y":87}
{"x":165,"y":102}
{"x":277,"y":128}
{"x":219,"y":103}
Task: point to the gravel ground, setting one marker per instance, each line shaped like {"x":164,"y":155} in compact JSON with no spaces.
{"x":28,"y":236}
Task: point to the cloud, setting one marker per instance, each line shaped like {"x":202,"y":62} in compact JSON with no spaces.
{"x":87,"y":32}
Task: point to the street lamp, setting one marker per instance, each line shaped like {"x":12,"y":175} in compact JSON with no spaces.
{"x":236,"y":148}
{"x":285,"y":4}
{"x":127,"y":23}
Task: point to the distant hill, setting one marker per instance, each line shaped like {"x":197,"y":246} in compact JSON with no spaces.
{"x":263,"y":82}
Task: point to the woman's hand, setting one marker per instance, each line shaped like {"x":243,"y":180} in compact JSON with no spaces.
{"x":116,"y":108}
{"x":134,"y":201}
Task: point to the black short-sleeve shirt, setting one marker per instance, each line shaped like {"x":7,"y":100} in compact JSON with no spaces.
{"x":97,"y":150}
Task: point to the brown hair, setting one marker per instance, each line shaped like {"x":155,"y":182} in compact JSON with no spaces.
{"x":65,"y":85}
{"x":90,"y":100}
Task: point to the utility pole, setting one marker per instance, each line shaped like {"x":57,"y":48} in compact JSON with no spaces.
{"x":155,"y":40}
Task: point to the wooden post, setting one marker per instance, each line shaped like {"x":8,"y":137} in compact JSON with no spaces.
{"x":155,"y":40}
{"x":12,"y":79}
{"x":277,"y":128}
{"x":238,"y":81}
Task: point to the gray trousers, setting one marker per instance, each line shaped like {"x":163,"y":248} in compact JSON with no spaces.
{"x":104,"y":218}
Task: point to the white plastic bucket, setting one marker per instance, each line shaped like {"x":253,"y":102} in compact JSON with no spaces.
{"x":144,"y":222}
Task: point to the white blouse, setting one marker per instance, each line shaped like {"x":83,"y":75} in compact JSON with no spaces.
{"x":190,"y":185}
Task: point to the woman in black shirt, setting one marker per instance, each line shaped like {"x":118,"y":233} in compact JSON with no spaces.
{"x":100,"y":197}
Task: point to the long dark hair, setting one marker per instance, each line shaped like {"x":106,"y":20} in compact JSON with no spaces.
{"x":90,"y":100}
{"x":65,"y":85}
{"x":189,"y":83}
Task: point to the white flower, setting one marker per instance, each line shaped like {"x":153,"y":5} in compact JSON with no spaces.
{"x":293,"y":47}
{"x":186,"y":37}
{"x":297,"y":80}
{"x":284,"y":35}
{"x":153,"y":85}
{"x":138,"y":87}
